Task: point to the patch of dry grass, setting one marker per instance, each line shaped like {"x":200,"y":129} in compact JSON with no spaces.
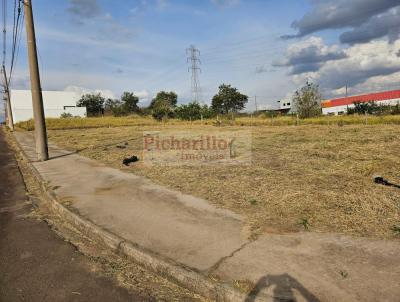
{"x":321,"y":174}
{"x":108,"y":122}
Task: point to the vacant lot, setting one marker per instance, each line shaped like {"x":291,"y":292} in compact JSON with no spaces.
{"x":260,"y":120}
{"x":315,"y":177}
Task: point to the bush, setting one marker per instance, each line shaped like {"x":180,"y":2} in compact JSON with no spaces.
{"x":373,"y":108}
{"x":307,"y":101}
{"x":162,"y":110}
{"x":193,"y":111}
{"x":93,"y":103}
{"x":66,"y":115}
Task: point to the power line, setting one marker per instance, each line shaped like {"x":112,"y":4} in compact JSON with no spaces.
{"x":18,"y":46}
{"x":4,"y":15}
{"x":236,"y":44}
{"x":17,"y":28}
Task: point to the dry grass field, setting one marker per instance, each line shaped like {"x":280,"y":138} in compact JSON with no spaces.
{"x":315,"y":177}
{"x":261,"y":120}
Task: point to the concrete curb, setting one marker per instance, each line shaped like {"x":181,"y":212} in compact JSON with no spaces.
{"x":183,"y":276}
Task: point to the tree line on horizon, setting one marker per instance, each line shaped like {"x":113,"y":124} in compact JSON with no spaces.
{"x":164,"y":105}
{"x":229,"y":101}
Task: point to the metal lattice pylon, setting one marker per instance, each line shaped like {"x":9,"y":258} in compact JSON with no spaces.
{"x":193,"y":59}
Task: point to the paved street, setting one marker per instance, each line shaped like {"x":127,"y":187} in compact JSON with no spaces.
{"x":36,"y":264}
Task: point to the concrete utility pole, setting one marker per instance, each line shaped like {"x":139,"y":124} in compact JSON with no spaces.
{"x":10,"y":121}
{"x":37,"y":99}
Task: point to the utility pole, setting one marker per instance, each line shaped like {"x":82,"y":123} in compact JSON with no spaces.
{"x":255,"y":103}
{"x":10,"y":121}
{"x":37,"y":99}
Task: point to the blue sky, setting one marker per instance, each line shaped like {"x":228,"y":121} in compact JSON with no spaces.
{"x":139,"y":45}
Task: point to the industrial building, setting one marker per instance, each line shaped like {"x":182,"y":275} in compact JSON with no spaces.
{"x":341,"y":105}
{"x":284,"y":107}
{"x":55,"y":104}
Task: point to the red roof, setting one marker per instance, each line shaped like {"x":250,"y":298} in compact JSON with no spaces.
{"x":379,"y":96}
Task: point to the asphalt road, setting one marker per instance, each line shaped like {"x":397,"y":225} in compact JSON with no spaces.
{"x":36,"y":264}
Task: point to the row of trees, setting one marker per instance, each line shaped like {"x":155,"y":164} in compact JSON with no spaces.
{"x":373,"y":108}
{"x":306,"y":103}
{"x":164,"y":105}
{"x":227,"y":101}
{"x":97,"y":105}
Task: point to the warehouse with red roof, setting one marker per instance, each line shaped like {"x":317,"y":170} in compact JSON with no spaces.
{"x":341,"y":105}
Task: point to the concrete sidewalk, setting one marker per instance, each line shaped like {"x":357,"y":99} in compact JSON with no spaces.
{"x":192,"y":233}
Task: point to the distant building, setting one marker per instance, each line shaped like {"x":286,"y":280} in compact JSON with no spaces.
{"x":55,"y":104}
{"x":284,"y":107}
{"x":341,"y":105}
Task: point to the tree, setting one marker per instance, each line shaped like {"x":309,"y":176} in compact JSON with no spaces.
{"x":193,"y":111}
{"x":129,"y":102}
{"x":162,"y":109}
{"x":364,"y":107}
{"x":93,"y":103}
{"x":307,"y":101}
{"x":169,"y":97}
{"x":114,"y":106}
{"x":228,"y":100}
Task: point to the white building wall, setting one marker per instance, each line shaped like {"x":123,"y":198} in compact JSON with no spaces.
{"x":55,"y":103}
{"x":336,"y":110}
{"x":285,"y":104}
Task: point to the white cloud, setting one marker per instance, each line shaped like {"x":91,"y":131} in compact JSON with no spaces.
{"x":82,"y":90}
{"x":335,"y":14}
{"x":309,"y":55}
{"x":369,"y":66}
{"x":142,"y":94}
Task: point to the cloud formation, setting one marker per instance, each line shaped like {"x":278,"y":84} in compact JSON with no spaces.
{"x":103,"y":24}
{"x":309,"y":56}
{"x":79,"y":91}
{"x":387,"y":24}
{"x":84,"y":8}
{"x":337,"y":14}
{"x":143,"y":95}
{"x":363,"y":65}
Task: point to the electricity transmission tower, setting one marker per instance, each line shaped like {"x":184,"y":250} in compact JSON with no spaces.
{"x":193,"y":58}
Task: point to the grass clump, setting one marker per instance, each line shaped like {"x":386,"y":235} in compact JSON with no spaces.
{"x":304,"y":223}
{"x":396,"y":230}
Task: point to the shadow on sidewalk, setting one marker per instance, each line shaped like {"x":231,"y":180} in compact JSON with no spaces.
{"x":283,"y":290}
{"x":63,"y":155}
